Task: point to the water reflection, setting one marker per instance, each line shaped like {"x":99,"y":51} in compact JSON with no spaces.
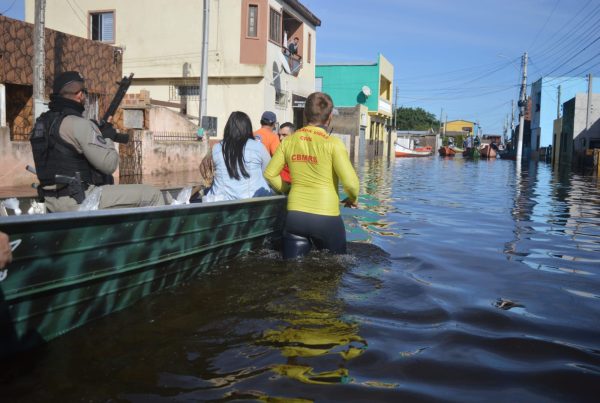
{"x":465,"y":282}
{"x":557,"y":219}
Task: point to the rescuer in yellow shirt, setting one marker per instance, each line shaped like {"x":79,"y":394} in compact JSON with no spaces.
{"x":317,"y":163}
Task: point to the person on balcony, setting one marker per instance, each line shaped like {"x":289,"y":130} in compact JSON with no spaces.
{"x":293,"y":47}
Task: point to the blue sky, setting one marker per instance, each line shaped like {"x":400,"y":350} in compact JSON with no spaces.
{"x":459,"y":55}
{"x":462,"y":55}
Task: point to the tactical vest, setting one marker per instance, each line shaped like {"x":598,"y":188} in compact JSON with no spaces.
{"x":54,"y":156}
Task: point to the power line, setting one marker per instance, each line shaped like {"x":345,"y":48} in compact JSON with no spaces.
{"x":575,"y":68}
{"x":544,"y":26}
{"x":576,"y":54}
{"x":77,"y":15}
{"x":9,"y":8}
{"x":579,"y":34}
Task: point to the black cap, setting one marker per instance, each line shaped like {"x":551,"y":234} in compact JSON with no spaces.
{"x":66,"y":78}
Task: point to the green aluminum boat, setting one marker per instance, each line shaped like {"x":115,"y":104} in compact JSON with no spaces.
{"x":71,"y":268}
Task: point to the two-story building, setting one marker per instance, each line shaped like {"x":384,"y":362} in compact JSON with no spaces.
{"x":249,"y":68}
{"x":368,"y":84}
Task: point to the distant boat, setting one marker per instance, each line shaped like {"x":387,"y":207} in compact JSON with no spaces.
{"x":508,"y":154}
{"x":402,"y":151}
{"x":446,"y":151}
{"x":471,"y":152}
{"x":487,"y":151}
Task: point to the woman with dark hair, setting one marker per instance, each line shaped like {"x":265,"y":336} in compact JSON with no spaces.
{"x":239,"y":162}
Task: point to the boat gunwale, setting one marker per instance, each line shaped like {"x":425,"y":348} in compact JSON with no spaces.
{"x":129,"y":211}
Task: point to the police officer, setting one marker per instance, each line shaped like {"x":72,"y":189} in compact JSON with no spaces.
{"x":72,"y":155}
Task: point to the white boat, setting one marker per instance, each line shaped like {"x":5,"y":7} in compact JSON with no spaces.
{"x":402,"y":151}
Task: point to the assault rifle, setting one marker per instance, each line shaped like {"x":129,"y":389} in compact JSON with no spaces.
{"x":114,"y":104}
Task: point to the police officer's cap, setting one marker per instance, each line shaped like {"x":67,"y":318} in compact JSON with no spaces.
{"x":65,"y":78}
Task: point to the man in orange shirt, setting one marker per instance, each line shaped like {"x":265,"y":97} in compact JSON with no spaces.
{"x":266,"y":134}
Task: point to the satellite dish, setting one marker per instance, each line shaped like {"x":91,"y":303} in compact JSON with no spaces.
{"x":366,"y":90}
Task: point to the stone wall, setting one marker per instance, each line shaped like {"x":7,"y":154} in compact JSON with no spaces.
{"x":99,"y":63}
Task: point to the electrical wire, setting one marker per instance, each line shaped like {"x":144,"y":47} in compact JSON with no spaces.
{"x":77,"y":15}
{"x":9,"y":8}
{"x":544,"y":26}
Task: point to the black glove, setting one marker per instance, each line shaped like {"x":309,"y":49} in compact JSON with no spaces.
{"x":108,"y":132}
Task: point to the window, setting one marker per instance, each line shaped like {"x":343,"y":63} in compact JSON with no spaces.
{"x":319,"y":84}
{"x":103,"y":26}
{"x":275,"y":27}
{"x":252,"y":20}
{"x":178,"y":91}
{"x":188,"y":90}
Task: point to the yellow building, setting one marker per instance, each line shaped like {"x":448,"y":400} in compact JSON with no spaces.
{"x":463,"y":127}
{"x":161,"y":43}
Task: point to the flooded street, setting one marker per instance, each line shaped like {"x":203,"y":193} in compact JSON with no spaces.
{"x":464,"y":282}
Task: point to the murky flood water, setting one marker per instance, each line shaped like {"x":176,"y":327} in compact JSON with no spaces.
{"x":462,"y":284}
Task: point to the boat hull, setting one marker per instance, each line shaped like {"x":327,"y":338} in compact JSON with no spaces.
{"x":446,"y":151}
{"x":72,"y":268}
{"x":402,"y":151}
{"x":486,"y":151}
{"x":471,"y":152}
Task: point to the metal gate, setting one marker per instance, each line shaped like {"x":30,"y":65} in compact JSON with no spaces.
{"x":130,"y":163}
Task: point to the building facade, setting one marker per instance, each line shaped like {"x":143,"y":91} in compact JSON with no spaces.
{"x":63,"y":52}
{"x":369,"y":84}
{"x":249,"y":68}
{"x":547,"y":96}
{"x":460,"y":127}
{"x":580,"y":130}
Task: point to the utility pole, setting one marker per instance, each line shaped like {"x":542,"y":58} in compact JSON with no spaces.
{"x":512,"y":122}
{"x":589,"y":104}
{"x":204,"y":65}
{"x":522,"y":104}
{"x":39,"y":83}
{"x":445,"y":123}
{"x":395,"y":107}
{"x":441,"y":115}
{"x":558,"y":104}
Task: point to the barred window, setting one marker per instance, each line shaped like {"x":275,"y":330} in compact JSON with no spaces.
{"x":188,"y":90}
{"x":252,"y":20}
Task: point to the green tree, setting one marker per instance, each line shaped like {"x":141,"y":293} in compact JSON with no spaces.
{"x":415,"y":119}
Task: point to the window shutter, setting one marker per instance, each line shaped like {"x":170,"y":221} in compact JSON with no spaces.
{"x":108,"y":27}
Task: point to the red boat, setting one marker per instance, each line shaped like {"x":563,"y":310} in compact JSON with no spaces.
{"x":446,"y":151}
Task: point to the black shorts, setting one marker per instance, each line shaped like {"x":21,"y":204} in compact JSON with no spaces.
{"x":325,"y":232}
